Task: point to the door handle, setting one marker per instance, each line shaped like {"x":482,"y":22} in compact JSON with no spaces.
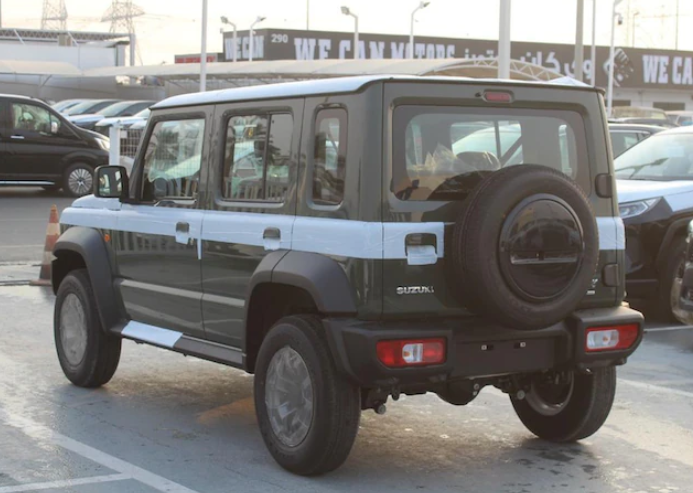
{"x":183,"y":233}
{"x":272,"y":239}
{"x":17,"y":137}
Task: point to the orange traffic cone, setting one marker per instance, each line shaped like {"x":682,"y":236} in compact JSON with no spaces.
{"x":52,"y":235}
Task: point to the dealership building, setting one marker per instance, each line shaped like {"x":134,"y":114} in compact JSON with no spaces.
{"x":643,"y":77}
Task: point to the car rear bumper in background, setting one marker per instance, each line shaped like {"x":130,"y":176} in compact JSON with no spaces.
{"x":475,"y":347}
{"x":641,"y":289}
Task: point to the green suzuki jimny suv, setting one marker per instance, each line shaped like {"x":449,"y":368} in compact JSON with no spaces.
{"x":355,"y":239}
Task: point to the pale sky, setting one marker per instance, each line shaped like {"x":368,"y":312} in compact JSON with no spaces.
{"x":173,"y":26}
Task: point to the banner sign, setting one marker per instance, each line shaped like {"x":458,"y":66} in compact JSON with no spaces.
{"x":634,"y":67}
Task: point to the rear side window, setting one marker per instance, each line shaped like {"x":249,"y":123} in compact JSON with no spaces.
{"x":172,"y":160}
{"x":620,"y":141}
{"x":329,"y":156}
{"x":257,"y":158}
{"x":441,"y":153}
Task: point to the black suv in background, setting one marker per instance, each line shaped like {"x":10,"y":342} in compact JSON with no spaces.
{"x":655,"y":192}
{"x":39,"y":147}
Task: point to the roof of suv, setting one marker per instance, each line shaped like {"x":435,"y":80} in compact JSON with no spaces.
{"x":324,"y":86}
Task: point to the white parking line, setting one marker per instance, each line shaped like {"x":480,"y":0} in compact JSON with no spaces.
{"x":67,"y":483}
{"x":670,"y":329}
{"x":38,"y":431}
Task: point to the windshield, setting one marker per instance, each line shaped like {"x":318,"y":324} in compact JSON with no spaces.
{"x":82,"y":108}
{"x":440,"y":153}
{"x":115,"y":109}
{"x":661,"y":157}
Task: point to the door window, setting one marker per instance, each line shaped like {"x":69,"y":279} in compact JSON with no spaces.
{"x":257,"y":158}
{"x":621,"y":141}
{"x":32,"y":118}
{"x":172,"y":160}
{"x":329,"y":156}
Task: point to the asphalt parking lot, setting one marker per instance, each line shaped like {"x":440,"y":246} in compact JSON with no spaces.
{"x":24,"y":213}
{"x":169,"y":423}
{"x":174,"y":424}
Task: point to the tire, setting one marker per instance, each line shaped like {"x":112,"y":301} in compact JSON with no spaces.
{"x":324,"y":444}
{"x":539,"y":216}
{"x":78,"y":180}
{"x":670,"y":284}
{"x":583,"y":412}
{"x":93,"y":357}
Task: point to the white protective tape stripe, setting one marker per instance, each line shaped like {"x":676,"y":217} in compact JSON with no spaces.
{"x":328,"y":236}
{"x":612,"y":233}
{"x":153,"y":335}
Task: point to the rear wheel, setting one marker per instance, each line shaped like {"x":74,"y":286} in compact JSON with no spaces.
{"x":307,"y":412}
{"x":78,"y":180}
{"x":569,"y":408}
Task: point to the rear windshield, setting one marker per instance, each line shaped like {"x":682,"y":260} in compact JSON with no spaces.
{"x":441,"y":153}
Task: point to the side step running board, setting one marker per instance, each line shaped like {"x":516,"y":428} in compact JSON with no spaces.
{"x":176,"y":341}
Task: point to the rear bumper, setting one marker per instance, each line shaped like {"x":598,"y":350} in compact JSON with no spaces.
{"x":475,"y":348}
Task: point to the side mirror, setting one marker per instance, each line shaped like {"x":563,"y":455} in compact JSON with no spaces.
{"x":55,"y":127}
{"x":112,"y":183}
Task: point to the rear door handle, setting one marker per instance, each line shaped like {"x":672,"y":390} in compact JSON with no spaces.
{"x":272,"y":239}
{"x":183,"y":233}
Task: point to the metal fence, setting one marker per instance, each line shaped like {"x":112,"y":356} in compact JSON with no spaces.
{"x":124,"y":143}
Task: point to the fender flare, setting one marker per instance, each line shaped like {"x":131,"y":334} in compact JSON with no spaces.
{"x":89,"y":244}
{"x":322,"y":277}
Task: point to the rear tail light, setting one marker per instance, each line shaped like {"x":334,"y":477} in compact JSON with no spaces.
{"x":411,"y":352}
{"x":611,"y":338}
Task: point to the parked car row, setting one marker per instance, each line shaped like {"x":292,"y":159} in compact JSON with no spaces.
{"x":90,"y":112}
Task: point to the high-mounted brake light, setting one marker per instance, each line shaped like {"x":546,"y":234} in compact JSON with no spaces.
{"x":411,"y":352}
{"x":611,"y":338}
{"x":497,"y":97}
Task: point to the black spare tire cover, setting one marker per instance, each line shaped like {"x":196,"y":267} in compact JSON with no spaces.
{"x":525,"y":248}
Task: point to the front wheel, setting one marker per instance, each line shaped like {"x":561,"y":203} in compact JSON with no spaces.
{"x":307,"y":412}
{"x":78,"y":180}
{"x":87,"y":354}
{"x":670,"y":285}
{"x":570,"y":408}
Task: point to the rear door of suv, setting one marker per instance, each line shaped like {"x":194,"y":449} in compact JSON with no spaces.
{"x":251,"y":205}
{"x":442,"y":141}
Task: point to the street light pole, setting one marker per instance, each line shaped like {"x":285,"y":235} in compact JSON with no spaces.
{"x":203,"y":51}
{"x":610,"y":90}
{"x":504,"y":41}
{"x":252,"y":35}
{"x":225,"y":20}
{"x":579,"y":44}
{"x":422,"y":5}
{"x":593,"y":54}
{"x":347,"y":11}
{"x":632,"y":29}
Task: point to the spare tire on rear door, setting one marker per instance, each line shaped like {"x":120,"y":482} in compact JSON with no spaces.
{"x":525,"y":248}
